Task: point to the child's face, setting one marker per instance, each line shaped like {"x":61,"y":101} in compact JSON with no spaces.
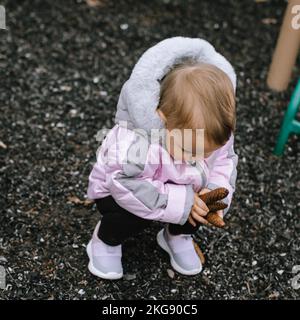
{"x":188,"y":145}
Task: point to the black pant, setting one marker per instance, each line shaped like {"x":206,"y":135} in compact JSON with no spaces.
{"x":118,"y":224}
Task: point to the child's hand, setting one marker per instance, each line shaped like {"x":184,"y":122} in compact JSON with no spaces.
{"x":198,"y":211}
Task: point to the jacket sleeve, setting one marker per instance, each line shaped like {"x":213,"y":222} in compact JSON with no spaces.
{"x":134,"y":187}
{"x":224,"y":171}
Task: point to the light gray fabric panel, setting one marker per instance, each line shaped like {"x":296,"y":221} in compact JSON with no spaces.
{"x":136,"y":156}
{"x":227,"y":202}
{"x":234,"y":157}
{"x":189,"y":201}
{"x":212,"y":186}
{"x":202,"y":173}
{"x":145,"y":192}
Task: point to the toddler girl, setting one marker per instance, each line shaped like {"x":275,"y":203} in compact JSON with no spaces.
{"x":172,"y":139}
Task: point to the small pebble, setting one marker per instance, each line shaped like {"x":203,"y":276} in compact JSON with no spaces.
{"x":171,"y":273}
{"x":280,"y":272}
{"x":124,"y":26}
{"x":81,"y":292}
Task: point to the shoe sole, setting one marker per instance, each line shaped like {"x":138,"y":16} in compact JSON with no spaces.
{"x":98,"y":273}
{"x":163,"y":244}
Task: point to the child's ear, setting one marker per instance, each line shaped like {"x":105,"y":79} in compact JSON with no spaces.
{"x":161,"y":115}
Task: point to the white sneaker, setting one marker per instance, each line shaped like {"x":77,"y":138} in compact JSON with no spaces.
{"x":105,"y":261}
{"x":183,"y":257}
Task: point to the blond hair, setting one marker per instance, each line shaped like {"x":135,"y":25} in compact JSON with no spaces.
{"x":199,"y":96}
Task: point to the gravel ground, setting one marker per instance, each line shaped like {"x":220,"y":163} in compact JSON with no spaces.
{"x":62,"y":65}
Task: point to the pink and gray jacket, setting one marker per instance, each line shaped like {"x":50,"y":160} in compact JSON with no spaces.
{"x":138,"y":172}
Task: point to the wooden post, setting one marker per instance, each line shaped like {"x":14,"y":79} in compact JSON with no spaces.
{"x":286,"y":50}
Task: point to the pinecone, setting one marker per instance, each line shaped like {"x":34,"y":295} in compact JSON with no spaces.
{"x":199,"y":252}
{"x":214,"y":219}
{"x":211,"y":199}
{"x":214,"y":195}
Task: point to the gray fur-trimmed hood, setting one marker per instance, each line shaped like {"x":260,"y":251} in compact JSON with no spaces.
{"x":139,"y":95}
